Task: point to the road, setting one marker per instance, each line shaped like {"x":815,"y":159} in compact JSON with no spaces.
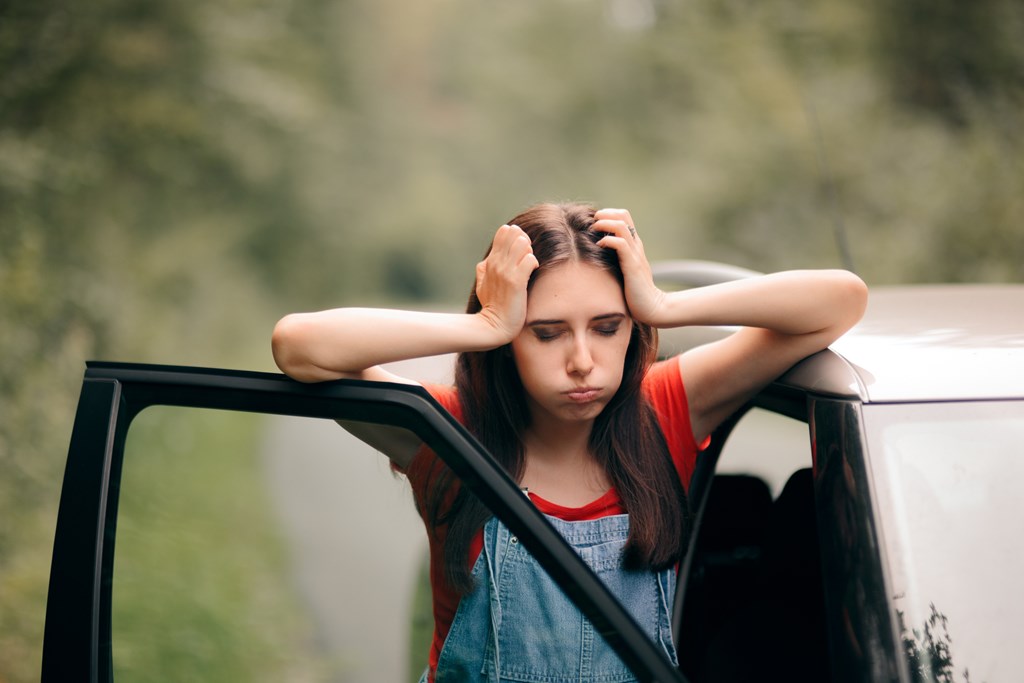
{"x":355,"y":539}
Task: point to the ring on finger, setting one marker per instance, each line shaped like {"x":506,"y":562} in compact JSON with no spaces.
{"x":632,"y":230}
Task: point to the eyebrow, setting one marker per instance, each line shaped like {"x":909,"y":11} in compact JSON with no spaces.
{"x":596,"y":318}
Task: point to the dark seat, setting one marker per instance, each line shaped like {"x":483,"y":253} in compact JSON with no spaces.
{"x":772,"y":624}
{"x":725,"y":564}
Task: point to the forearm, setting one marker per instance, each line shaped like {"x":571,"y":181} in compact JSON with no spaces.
{"x":344,"y":342}
{"x":792,"y":303}
{"x":351,"y":342}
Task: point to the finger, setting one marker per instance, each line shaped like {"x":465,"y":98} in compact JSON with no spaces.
{"x":502,"y":239}
{"x":630,"y":250}
{"x":614,"y":214}
{"x":617,"y":227}
{"x":518,"y":248}
{"x":516,"y":242}
{"x":512,"y":254}
{"x":527,"y":264}
{"x":623,"y":246}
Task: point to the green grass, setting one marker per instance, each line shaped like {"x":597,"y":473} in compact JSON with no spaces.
{"x":201,"y":587}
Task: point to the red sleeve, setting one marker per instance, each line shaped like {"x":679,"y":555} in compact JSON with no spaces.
{"x":425,"y":464}
{"x":449,"y":400}
{"x":448,"y":397}
{"x":664,"y":388}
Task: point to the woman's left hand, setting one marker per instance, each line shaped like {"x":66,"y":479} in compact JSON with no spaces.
{"x":642,"y":296}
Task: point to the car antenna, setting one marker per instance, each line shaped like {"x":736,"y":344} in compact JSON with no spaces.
{"x":838,"y":225}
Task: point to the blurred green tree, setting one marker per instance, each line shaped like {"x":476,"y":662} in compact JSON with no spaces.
{"x":174,"y":176}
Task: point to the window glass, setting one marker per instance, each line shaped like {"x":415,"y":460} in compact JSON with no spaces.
{"x":948,"y":479}
{"x":754,"y":585}
{"x":261,"y":548}
{"x":767,"y":445}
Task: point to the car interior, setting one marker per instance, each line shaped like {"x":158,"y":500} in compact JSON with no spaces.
{"x":754,"y":582}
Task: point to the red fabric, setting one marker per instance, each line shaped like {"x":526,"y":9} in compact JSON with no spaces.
{"x":664,"y":389}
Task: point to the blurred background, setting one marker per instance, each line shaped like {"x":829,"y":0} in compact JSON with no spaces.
{"x":175,"y":176}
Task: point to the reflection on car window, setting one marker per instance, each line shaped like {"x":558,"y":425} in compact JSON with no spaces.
{"x":948,"y":478}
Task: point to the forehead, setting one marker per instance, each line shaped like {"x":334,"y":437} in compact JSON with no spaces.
{"x":575,"y":290}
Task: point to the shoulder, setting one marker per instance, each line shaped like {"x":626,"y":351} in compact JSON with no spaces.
{"x":664,"y":388}
{"x":424,"y":466}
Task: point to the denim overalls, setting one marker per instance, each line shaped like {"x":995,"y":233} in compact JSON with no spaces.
{"x":517,"y":625}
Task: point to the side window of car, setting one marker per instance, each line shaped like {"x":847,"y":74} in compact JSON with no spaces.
{"x":753,"y":603}
{"x":266,"y":548}
{"x":260,"y":547}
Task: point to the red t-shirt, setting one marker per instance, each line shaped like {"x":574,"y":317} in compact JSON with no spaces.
{"x":663,"y":386}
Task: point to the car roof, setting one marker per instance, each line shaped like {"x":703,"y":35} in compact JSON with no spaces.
{"x":926,"y":343}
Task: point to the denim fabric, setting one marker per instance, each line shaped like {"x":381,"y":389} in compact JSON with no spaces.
{"x":517,"y":625}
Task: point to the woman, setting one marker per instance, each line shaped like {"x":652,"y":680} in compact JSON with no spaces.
{"x":556,"y":375}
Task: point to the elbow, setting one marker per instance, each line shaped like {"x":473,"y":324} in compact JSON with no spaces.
{"x":851,"y":300}
{"x":287,"y":344}
{"x":856,"y":297}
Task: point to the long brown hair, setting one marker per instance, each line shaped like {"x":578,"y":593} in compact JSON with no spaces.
{"x":625,"y":438}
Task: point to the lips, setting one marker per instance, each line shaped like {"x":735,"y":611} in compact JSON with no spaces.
{"x":582,"y":394}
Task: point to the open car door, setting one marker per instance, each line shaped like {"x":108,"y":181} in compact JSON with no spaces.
{"x":78,"y":635}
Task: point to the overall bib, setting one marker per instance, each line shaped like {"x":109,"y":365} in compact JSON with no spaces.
{"x":517,"y":625}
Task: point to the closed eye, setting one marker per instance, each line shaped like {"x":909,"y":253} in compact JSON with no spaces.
{"x":607,"y":325}
{"x":545,"y":334}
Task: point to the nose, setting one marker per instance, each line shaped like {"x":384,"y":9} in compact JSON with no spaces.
{"x":581,"y":362}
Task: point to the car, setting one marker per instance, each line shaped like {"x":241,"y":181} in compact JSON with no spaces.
{"x":858,"y":520}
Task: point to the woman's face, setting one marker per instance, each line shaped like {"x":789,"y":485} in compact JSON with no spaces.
{"x":571,"y":351}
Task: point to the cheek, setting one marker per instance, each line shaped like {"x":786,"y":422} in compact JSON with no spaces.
{"x":529,"y":361}
{"x":615,"y":349}
{"x":616,"y":360}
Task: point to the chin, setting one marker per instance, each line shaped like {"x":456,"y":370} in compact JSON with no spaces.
{"x":586,"y":411}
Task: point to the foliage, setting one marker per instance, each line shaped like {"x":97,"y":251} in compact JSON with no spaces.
{"x":929,"y":650}
{"x":200,"y":588}
{"x":174,"y":176}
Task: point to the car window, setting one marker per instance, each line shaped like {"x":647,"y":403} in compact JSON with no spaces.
{"x":754,"y":584}
{"x":768,"y":446}
{"x":261,"y":548}
{"x":268,"y":548}
{"x":948,"y":479}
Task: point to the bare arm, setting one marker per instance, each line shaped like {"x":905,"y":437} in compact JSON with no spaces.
{"x":783,"y":317}
{"x":354,"y":342}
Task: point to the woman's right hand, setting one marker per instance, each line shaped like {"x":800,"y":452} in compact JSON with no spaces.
{"x":501,"y":280}
{"x":352,"y":342}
